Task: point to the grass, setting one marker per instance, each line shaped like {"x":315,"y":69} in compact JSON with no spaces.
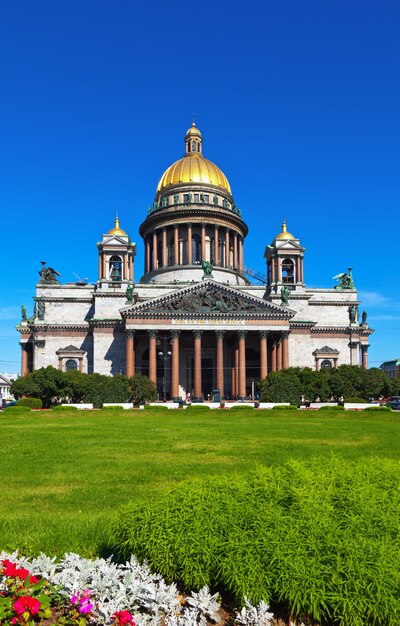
{"x":65,"y":475}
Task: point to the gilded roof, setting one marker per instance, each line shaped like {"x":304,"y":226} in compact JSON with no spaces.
{"x":194,"y":168}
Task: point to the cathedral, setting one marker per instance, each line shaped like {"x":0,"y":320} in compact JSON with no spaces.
{"x":194,"y":323}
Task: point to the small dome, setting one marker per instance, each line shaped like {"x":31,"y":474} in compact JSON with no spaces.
{"x":193,"y":131}
{"x":117,"y":230}
{"x":284,"y":234}
{"x":194,"y":168}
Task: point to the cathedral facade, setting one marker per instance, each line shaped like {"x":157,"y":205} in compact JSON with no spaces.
{"x":194,"y":324}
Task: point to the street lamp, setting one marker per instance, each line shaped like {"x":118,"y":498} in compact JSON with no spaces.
{"x":165,"y":356}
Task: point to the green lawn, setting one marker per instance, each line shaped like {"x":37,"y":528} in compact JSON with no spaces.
{"x":64,"y":475}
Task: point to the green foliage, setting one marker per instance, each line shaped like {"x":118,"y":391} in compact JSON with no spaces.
{"x":158,"y":408}
{"x":112,"y":408}
{"x":197,"y":407}
{"x":32,"y":403}
{"x":59,"y":407}
{"x":242,"y":407}
{"x":380,"y":409}
{"x":331,"y":408}
{"x":284,"y":407}
{"x":47,"y":383}
{"x":17,"y":409}
{"x":320,"y":536}
{"x":283,"y":386}
{"x":356,"y":400}
{"x":141,"y":389}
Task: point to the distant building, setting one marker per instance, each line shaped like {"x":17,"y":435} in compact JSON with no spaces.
{"x":391,"y":368}
{"x":5,"y":384}
{"x":194,"y":322}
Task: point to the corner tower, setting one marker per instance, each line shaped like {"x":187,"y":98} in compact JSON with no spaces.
{"x":193,"y":219}
{"x":285,"y":261}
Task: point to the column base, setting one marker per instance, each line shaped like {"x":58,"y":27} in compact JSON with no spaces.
{"x":241,"y":398}
{"x":176,"y":399}
{"x":197,"y":399}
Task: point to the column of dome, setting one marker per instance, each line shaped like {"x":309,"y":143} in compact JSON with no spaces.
{"x":193,"y":219}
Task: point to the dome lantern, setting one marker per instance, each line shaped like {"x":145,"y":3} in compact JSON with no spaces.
{"x":193,"y":140}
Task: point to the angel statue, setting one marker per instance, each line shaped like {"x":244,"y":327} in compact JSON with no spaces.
{"x":345,"y":280}
{"x":48,"y":275}
{"x":207,"y":268}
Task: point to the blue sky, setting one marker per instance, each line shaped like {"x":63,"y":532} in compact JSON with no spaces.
{"x":298,"y":103}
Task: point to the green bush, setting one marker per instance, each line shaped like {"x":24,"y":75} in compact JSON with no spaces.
{"x":141,"y":389}
{"x":17,"y":409}
{"x":198,"y":407}
{"x":32,"y":403}
{"x":287,"y":407}
{"x":58,"y":407}
{"x":160,"y":407}
{"x":243,"y":407}
{"x":112,"y":408}
{"x":320,"y":536}
{"x":356,"y":400}
{"x":331,"y":408}
{"x":384,"y":409}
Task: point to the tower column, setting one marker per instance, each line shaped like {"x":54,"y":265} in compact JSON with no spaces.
{"x":154,"y":250}
{"x":279,"y":261}
{"x":100,"y":266}
{"x":203,"y":241}
{"x":189,"y":243}
{"x":104,"y":265}
{"x":235,"y":250}
{"x":242,"y":364}
{"x":241,"y":261}
{"x":175,"y":365}
{"x":130,"y":353}
{"x":279,"y":355}
{"x":274,"y":356}
{"x":227,"y":248}
{"x":263,"y":354}
{"x":236,"y":371}
{"x":131,"y":275}
{"x":152,"y":356}
{"x":147,"y":261}
{"x":216,"y":234}
{"x":176,"y":244}
{"x":164,"y":247}
{"x":220,"y":362}
{"x":197,"y":386}
{"x":125,"y":266}
{"x":285,"y":349}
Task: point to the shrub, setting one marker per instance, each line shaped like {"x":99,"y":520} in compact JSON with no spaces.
{"x":18,"y":409}
{"x":321,"y":536}
{"x":32,"y":403}
{"x":161,"y":407}
{"x":198,"y":407}
{"x":243,"y":407}
{"x":141,"y":389}
{"x":58,"y":407}
{"x":384,"y":409}
{"x":283,"y":407}
{"x":112,"y":408}
{"x":331,"y":408}
{"x":356,"y":400}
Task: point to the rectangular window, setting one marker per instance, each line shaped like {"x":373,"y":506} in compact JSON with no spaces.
{"x":206,"y":198}
{"x":196,"y":197}
{"x":186,"y":198}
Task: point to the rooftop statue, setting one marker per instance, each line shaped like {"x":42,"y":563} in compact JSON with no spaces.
{"x":207,"y":268}
{"x":353,"y":313}
{"x":48,"y":275}
{"x":285,"y":293}
{"x":345,"y":280}
{"x":129,"y":293}
{"x":23,"y":312}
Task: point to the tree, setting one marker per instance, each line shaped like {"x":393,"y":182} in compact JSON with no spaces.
{"x":283,"y":386}
{"x":141,"y":389}
{"x":46,"y":383}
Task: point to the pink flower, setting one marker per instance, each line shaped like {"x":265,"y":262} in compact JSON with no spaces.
{"x":83,"y":599}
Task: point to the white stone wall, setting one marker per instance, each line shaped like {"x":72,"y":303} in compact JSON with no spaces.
{"x":109,"y":353}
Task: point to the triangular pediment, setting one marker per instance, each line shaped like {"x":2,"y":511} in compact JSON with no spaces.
{"x":115,"y":240}
{"x":210,"y":299}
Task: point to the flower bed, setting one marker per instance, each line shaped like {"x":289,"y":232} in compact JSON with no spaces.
{"x":78,"y":591}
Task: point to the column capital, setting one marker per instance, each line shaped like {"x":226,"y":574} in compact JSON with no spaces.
{"x":175,"y":335}
{"x":176,"y":226}
{"x":285,"y":334}
{"x":130,"y":333}
{"x":364,"y":346}
{"x":197,"y":333}
{"x":39,"y":343}
{"x":242,"y":333}
{"x":219,"y":333}
{"x":264,"y":334}
{"x":152,"y":334}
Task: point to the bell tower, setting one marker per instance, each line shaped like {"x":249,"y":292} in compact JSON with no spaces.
{"x":116,"y":258}
{"x":285,"y":261}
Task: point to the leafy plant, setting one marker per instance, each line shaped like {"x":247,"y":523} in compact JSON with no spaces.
{"x":32,"y":403}
{"x":141,"y":389}
{"x":331,"y":408}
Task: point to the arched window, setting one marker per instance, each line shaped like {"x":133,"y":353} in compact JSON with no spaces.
{"x":287,"y":271}
{"x":196,"y":249}
{"x":326,"y":364}
{"x":115,"y":268}
{"x":194,"y":146}
{"x":71,"y":365}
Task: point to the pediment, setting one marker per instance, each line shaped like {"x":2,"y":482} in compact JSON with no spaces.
{"x":115,"y":241}
{"x":288,"y":245}
{"x":210,"y":299}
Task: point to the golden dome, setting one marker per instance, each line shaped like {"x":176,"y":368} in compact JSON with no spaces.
{"x":117,"y":230}
{"x":194,"y":168}
{"x":284,"y":234}
{"x":193,"y":131}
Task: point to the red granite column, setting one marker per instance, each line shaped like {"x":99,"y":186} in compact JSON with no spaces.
{"x":197,"y":387}
{"x":227,"y":248}
{"x":152,"y":356}
{"x":203,"y":242}
{"x":273,"y":356}
{"x":236,"y":371}
{"x":364,"y":356}
{"x":242,"y":364}
{"x":154,"y":250}
{"x":235,"y":250}
{"x":285,"y":350}
{"x":263,"y":354}
{"x":241,"y":259}
{"x":175,"y":365}
{"x":279,"y":355}
{"x":147,"y":266}
{"x":24,"y":360}
{"x":220,"y":362}
{"x":130,"y":353}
